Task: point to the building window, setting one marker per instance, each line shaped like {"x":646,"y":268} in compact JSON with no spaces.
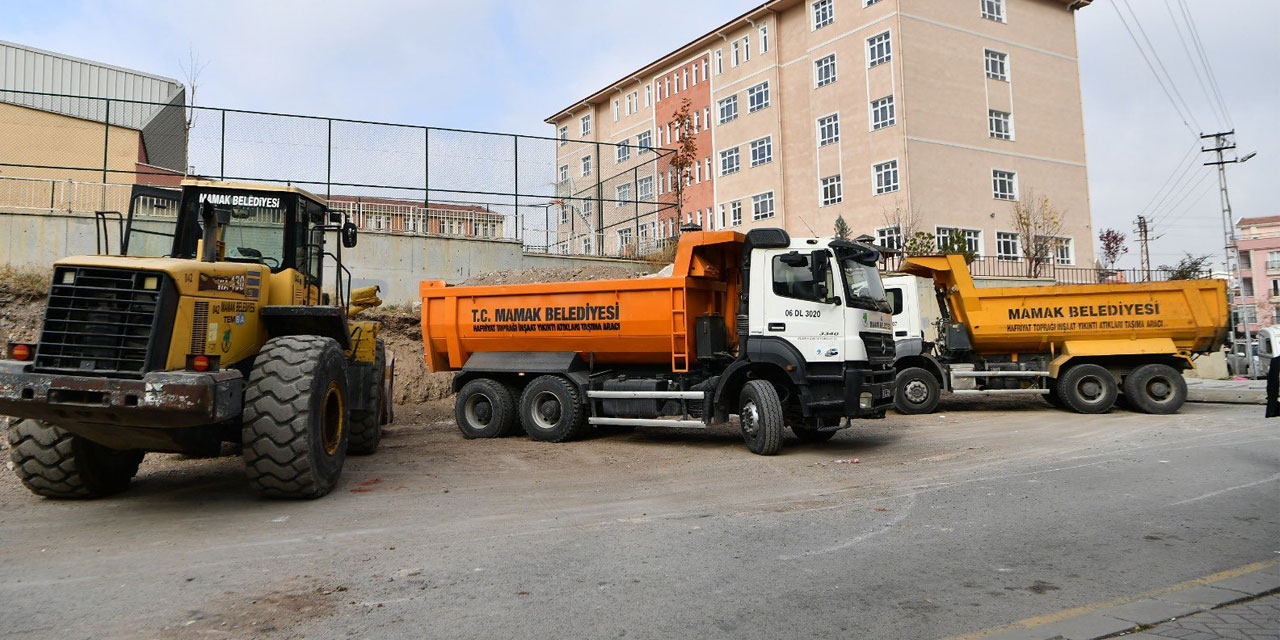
{"x":564,"y":135}
{"x":824,"y":71}
{"x":624,"y":238}
{"x":564,"y":173}
{"x":758,"y":97}
{"x":878,"y":49}
{"x":828,"y":130}
{"x":882,"y":113}
{"x":885,"y":177}
{"x":697,"y":121}
{"x":997,"y":65}
{"x":762,"y":206}
{"x":705,"y":76}
{"x":586,"y":165}
{"x":644,"y":140}
{"x":1000,"y":124}
{"x":719,"y":61}
{"x":1064,"y":251}
{"x":695,"y":74}
{"x":624,"y":193}
{"x":684,"y":79}
{"x":586,"y":244}
{"x":648,"y":95}
{"x":890,"y":237}
{"x":832,"y":190}
{"x":707,"y":164}
{"x":735,"y":213}
{"x":1004,"y":185}
{"x":644,"y":189}
{"x":622,"y":152}
{"x":993,"y":10}
{"x":564,"y":214}
{"x":762,"y":151}
{"x":867,"y":3}
{"x":764,"y":37}
{"x":729,"y":161}
{"x":1008,"y":246}
{"x":706,"y":116}
{"x":735,"y":57}
{"x":972,"y":238}
{"x":728,"y":109}
{"x":585,"y":122}
{"x":823,"y":13}
{"x":1273,"y":260}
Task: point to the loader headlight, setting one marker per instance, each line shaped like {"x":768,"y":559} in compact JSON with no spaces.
{"x":151,"y":282}
{"x":67,"y":277}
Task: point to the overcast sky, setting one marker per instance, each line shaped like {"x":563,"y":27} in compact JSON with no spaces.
{"x":484,"y":64}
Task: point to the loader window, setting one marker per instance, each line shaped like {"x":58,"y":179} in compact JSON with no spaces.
{"x":793,"y":278}
{"x":255,"y":234}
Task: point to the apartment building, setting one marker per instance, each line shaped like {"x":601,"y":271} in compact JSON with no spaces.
{"x":1258,"y":240}
{"x":901,"y":116}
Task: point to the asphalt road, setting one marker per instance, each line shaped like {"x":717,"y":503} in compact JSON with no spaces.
{"x":947,"y":525}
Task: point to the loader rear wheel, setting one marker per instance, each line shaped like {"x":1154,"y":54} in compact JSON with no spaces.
{"x":485,"y":408}
{"x":296,"y":417}
{"x":551,"y":410}
{"x":55,"y":463}
{"x":916,"y":391}
{"x":1088,"y":388}
{"x":366,"y":426}
{"x":760,"y":412}
{"x":1155,"y":388}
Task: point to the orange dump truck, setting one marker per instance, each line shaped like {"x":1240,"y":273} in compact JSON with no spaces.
{"x":780,"y":332}
{"x":1080,"y":346}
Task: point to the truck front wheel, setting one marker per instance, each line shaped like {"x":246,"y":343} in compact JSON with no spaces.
{"x":552,"y":410}
{"x":1088,"y":388}
{"x":1155,"y":388}
{"x":916,"y":391}
{"x":760,"y":412}
{"x":56,"y":463}
{"x":485,"y":408}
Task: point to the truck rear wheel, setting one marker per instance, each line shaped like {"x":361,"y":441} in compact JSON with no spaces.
{"x":760,"y":412}
{"x":916,"y":391}
{"x":1155,"y":388}
{"x":56,"y":463}
{"x":485,"y":408}
{"x":1087,"y":388}
{"x":366,"y":426}
{"x":296,"y":417}
{"x":552,"y":410}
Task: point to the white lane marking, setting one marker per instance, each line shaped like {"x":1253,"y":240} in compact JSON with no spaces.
{"x":897,"y":519}
{"x":1222,"y":491}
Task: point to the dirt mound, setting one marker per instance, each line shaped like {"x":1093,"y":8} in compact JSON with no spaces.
{"x":553,"y":274}
{"x":22,"y":294}
{"x":402,"y":333}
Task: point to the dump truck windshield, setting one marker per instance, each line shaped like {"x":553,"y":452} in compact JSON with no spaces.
{"x":862,"y":285}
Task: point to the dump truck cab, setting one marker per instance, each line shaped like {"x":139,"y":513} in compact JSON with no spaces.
{"x":164,"y":348}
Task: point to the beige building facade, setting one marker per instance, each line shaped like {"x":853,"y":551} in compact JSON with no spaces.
{"x":900,"y":116}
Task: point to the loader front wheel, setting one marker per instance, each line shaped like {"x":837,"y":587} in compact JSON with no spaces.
{"x":366,"y":425}
{"x":296,"y":418}
{"x":55,"y":463}
{"x":485,"y":408}
{"x":760,"y":412}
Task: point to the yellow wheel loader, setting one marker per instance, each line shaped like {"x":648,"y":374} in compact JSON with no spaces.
{"x":218,"y":332}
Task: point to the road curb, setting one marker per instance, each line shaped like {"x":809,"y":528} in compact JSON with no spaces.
{"x":1202,"y":392}
{"x":1131,"y":615}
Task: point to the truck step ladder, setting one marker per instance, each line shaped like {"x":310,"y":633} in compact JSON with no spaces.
{"x":679,"y":332}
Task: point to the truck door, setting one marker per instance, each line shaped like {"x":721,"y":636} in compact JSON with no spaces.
{"x":801,"y":304}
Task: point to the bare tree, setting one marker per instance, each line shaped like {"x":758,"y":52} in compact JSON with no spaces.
{"x":906,"y":219}
{"x":1039,"y":227}
{"x":191,"y":71}
{"x":685,"y":155}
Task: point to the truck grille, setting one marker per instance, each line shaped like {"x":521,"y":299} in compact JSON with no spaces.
{"x":879,"y":346}
{"x":101,"y":321}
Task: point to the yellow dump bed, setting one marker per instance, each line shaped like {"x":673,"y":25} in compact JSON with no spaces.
{"x":1179,"y":316}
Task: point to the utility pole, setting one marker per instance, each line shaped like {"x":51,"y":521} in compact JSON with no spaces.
{"x":1222,"y":142}
{"x":1144,"y":248}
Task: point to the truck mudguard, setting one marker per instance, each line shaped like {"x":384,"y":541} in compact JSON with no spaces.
{"x":290,"y":320}
{"x":514,"y":363}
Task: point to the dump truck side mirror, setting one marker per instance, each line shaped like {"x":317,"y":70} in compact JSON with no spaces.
{"x":820,"y":269}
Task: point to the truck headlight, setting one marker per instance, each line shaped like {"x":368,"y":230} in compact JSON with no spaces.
{"x":864,"y":401}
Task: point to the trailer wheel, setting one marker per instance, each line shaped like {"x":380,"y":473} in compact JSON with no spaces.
{"x":1088,"y":388}
{"x":366,"y":426}
{"x":552,"y":410}
{"x":485,"y":408}
{"x":916,"y":391}
{"x":55,"y":463}
{"x":297,"y":422}
{"x":1155,"y":388}
{"x":760,"y":412}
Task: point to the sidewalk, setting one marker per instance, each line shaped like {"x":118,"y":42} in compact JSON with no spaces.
{"x":1252,"y":620}
{"x":1231,"y":391}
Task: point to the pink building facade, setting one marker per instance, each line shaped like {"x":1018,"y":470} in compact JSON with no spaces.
{"x":1259,"y":241}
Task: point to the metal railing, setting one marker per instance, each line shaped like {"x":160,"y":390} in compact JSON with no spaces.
{"x":995,"y":267}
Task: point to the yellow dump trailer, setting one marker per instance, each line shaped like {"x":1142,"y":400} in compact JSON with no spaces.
{"x":1080,"y":346}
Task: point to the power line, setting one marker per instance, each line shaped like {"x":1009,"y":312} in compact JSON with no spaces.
{"x":1195,"y":65}
{"x":1176,"y":201}
{"x":1204,"y":58}
{"x":1150,"y":66}
{"x":1156,"y":55}
{"x":1168,"y":223}
{"x":1168,"y":182}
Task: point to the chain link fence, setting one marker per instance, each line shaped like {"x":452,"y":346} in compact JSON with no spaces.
{"x":72,"y":154}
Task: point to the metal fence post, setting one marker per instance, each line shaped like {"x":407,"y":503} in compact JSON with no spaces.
{"x":599,"y":239}
{"x":426,"y":173}
{"x":222,"y":148}
{"x":328,"y":162}
{"x":515,"y":182}
{"x":106,"y":147}
{"x":635,"y":186}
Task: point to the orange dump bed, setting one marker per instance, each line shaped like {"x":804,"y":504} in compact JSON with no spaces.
{"x":1184,"y":315}
{"x":636,"y":321}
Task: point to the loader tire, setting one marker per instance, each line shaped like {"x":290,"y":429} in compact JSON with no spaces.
{"x":296,"y":417}
{"x":761,"y":416}
{"x":55,"y":463}
{"x":486,"y":408}
{"x":1155,"y":388}
{"x":366,"y":425}
{"x":1087,"y":388}
{"x":916,"y":391}
{"x":551,"y":410}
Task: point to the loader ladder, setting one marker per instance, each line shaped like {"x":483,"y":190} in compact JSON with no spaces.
{"x":679,"y":332}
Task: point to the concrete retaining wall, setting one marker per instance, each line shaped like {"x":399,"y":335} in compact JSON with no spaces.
{"x":394,"y":262}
